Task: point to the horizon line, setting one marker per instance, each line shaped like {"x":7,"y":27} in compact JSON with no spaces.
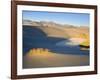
{"x":58,"y":23}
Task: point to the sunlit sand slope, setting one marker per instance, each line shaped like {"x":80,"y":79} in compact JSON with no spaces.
{"x":44,"y":58}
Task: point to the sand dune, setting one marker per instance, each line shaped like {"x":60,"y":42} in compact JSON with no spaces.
{"x":51,"y":33}
{"x":59,"y":30}
{"x":54,"y":60}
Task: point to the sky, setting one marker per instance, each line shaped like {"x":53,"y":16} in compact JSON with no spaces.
{"x":77,"y":19}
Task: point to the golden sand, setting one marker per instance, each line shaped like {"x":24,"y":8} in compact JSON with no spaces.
{"x":36,"y":58}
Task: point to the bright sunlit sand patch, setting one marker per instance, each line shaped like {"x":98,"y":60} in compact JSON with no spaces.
{"x":39,"y":52}
{"x":41,"y":57}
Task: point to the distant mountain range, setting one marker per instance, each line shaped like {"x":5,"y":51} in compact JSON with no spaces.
{"x":47,"y":23}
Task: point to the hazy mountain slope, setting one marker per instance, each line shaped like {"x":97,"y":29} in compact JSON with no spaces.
{"x":58,"y":30}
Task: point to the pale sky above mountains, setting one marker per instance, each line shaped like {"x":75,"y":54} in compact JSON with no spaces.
{"x":77,"y":19}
